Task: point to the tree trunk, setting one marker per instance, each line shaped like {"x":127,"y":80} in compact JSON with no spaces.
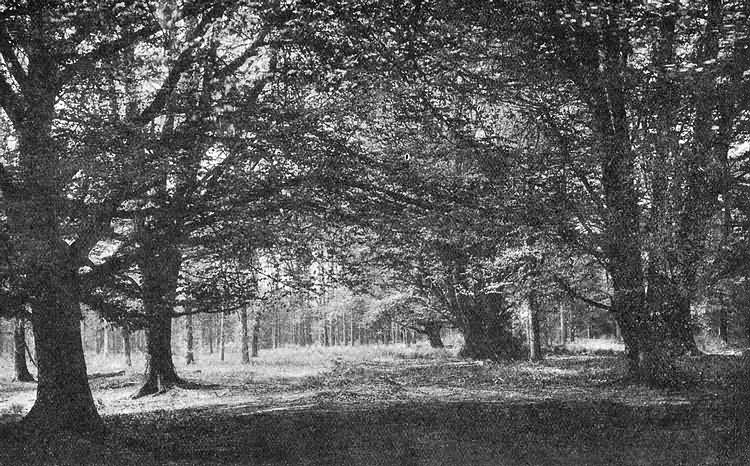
{"x":98,"y":337}
{"x":669,"y":308}
{"x":19,"y":350}
{"x":160,"y":374}
{"x":433,"y":333}
{"x":222,"y":337}
{"x":160,"y":273}
{"x":256,"y":336}
{"x":243,"y":326}
{"x":327,"y":339}
{"x":189,"y":343}
{"x":126,"y":346}
{"x":276,"y":331}
{"x":105,"y":333}
{"x":563,"y":326}
{"x":532,"y":329}
{"x":63,"y":399}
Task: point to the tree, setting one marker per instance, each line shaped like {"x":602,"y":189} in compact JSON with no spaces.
{"x":637,"y":128}
{"x":689,"y":107}
{"x":47,"y":51}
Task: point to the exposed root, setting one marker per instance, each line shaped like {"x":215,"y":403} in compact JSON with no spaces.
{"x":150,"y":388}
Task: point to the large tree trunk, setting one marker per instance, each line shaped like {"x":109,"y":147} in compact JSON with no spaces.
{"x":245,"y":350}
{"x":189,"y":343}
{"x":19,"y":352}
{"x":669,"y":308}
{"x":535,"y":347}
{"x":160,"y":374}
{"x":63,"y":400}
{"x":160,"y":274}
{"x":433,"y":334}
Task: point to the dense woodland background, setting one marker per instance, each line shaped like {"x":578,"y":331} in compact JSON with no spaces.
{"x":185,"y":178}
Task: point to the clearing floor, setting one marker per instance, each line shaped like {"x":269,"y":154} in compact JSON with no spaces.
{"x":397,"y":405}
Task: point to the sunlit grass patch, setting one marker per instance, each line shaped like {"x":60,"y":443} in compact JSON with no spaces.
{"x":595,"y":346}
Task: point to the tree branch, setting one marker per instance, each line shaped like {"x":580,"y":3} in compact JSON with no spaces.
{"x":105,"y":50}
{"x":11,"y":101}
{"x":11,"y":59}
{"x":181,"y":65}
{"x":573,"y":293}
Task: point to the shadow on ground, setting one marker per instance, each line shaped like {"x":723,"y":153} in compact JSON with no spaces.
{"x":409,"y":433}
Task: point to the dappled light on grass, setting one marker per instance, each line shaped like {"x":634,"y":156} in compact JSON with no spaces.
{"x":288,"y":402}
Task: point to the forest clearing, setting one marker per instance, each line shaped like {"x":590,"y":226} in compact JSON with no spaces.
{"x":375,"y":232}
{"x":397,"y":405}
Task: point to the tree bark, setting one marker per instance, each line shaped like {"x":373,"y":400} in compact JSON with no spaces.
{"x":245,"y":350}
{"x":22,"y":373}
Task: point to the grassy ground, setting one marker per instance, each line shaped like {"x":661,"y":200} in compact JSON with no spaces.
{"x":401,"y":406}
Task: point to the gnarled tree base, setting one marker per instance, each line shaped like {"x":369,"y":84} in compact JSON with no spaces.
{"x":159,"y":383}
{"x":494,"y":347}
